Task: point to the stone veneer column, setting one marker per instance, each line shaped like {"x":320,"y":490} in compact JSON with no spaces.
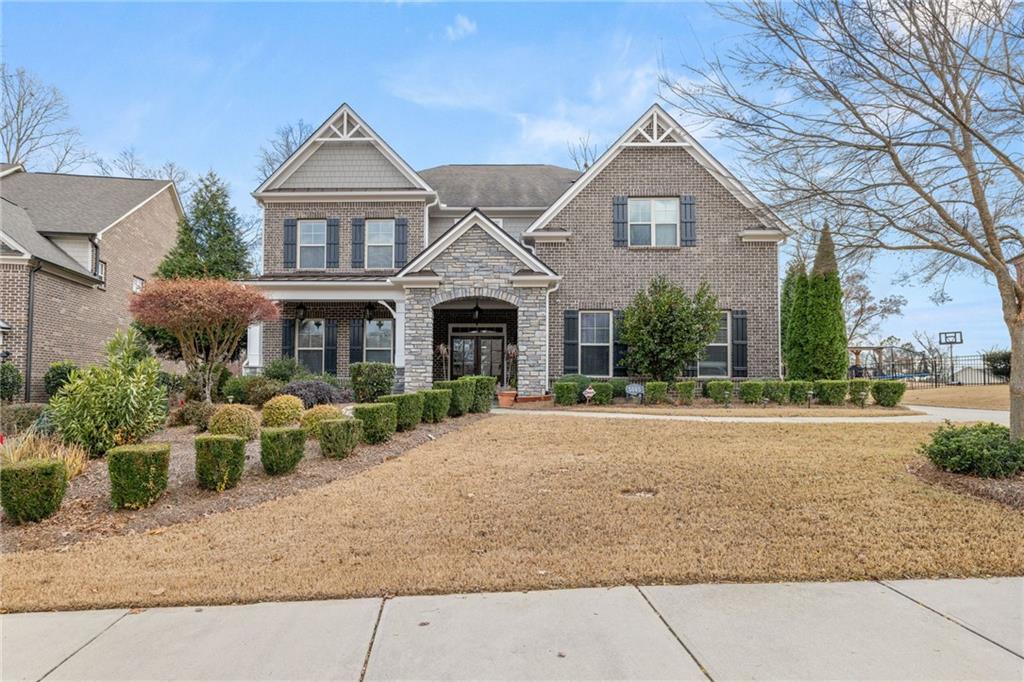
{"x":532,"y":341}
{"x":419,"y":339}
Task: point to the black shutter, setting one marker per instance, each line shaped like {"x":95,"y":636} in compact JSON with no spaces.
{"x":287,"y":338}
{"x":290,"y":240}
{"x":401,"y":242}
{"x":620,"y":220}
{"x":688,"y":220}
{"x":571,"y":342}
{"x":739,"y":343}
{"x":333,"y":237}
{"x":358,"y":241}
{"x":619,"y":352}
{"x":355,"y":341}
{"x":331,"y":346}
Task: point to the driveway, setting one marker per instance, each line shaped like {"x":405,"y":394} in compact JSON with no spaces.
{"x":930,"y":629}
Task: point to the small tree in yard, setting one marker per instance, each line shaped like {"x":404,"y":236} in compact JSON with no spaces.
{"x":665,"y":330}
{"x":207,"y":317}
{"x":816,"y":332}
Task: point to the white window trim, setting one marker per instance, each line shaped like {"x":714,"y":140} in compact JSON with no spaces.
{"x":142,"y":283}
{"x":728,"y":351}
{"x":299,"y":245}
{"x":366,"y":338}
{"x":367,"y":244}
{"x":653,"y":224}
{"x":323,"y":342}
{"x":610,"y":345}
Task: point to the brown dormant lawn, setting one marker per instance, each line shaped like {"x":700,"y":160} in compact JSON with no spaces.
{"x":977,"y":397}
{"x":521,"y":502}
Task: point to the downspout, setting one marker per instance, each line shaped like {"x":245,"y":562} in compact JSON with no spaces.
{"x":426,"y":218}
{"x":28,"y":332}
{"x":547,"y":337}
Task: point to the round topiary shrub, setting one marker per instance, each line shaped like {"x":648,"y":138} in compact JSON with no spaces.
{"x":32,"y":490}
{"x":314,"y":417}
{"x":565,"y":393}
{"x":776,"y":392}
{"x":603,"y":393}
{"x":339,"y":437}
{"x":380,"y":420}
{"x":798,"y":391}
{"x":860,"y":389}
{"x":409,"y":406}
{"x":720,"y":391}
{"x":462,"y":396}
{"x":888,"y":392}
{"x":684,"y":391}
{"x":284,"y":410}
{"x":831,"y":391}
{"x":220,"y":461}
{"x":435,"y":404}
{"x":57,"y":375}
{"x":138,"y":473}
{"x":979,"y":449}
{"x":281,"y":448}
{"x":751,"y":391}
{"x":235,"y":420}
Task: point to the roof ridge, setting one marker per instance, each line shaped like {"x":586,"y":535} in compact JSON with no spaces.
{"x":97,"y":177}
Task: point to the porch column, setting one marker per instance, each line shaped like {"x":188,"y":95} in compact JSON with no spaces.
{"x":400,"y":334}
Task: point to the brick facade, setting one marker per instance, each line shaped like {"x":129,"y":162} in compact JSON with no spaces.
{"x":14,"y":311}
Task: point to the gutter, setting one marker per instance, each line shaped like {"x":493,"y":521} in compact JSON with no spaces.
{"x":28,"y":332}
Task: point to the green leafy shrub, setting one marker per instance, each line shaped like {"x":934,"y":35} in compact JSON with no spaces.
{"x":236,"y":389}
{"x":138,"y":473}
{"x":57,"y":375}
{"x":19,"y":416}
{"x":173,"y":383}
{"x":235,"y":420}
{"x":339,"y":437}
{"x":313,"y":419}
{"x":409,"y":408}
{"x":979,"y":449}
{"x":831,"y":391}
{"x":462,"y":396}
{"x":281,"y":448}
{"x":312,"y":392}
{"x":435,"y":404}
{"x":860,"y":389}
{"x":656,"y":392}
{"x":220,"y":461}
{"x":618,"y":387}
{"x":284,"y":370}
{"x":751,"y":391}
{"x":603,"y":393}
{"x":371,"y":380}
{"x":284,"y":410}
{"x":720,"y":390}
{"x":888,"y":392}
{"x":10,"y":381}
{"x":483,"y":392}
{"x":380,"y":420}
{"x":262,"y":389}
{"x":194,"y":413}
{"x":684,"y":391}
{"x":565,"y":393}
{"x":32,"y":489}
{"x":777,"y":392}
{"x":798,"y":391}
{"x":581,"y":382}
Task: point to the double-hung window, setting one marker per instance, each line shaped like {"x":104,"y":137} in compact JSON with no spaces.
{"x":654,"y":222}
{"x":596,"y":343}
{"x":137,"y":284}
{"x":380,"y":243}
{"x":310,"y":346}
{"x":313,"y":244}
{"x":716,"y":353}
{"x":379,"y":340}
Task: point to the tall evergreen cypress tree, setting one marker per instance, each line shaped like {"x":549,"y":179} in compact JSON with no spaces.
{"x":817,"y":335}
{"x":793,"y":273}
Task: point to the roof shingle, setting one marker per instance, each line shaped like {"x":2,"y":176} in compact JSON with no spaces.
{"x":499,"y":185}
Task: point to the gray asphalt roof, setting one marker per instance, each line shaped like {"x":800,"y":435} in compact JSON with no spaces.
{"x":15,"y":223}
{"x":493,"y":185}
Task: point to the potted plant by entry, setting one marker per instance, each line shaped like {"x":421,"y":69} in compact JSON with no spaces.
{"x":507,"y":394}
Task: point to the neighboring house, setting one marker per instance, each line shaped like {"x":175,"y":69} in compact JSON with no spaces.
{"x":372,"y":260}
{"x":73,"y":248}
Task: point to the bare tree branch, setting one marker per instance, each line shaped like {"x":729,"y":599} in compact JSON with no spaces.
{"x":287,"y":138}
{"x":33,"y":124}
{"x":582,"y":153}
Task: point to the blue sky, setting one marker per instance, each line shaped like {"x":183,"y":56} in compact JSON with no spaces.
{"x":205,"y":85}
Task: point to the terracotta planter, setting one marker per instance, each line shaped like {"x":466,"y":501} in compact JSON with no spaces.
{"x":506,"y":398}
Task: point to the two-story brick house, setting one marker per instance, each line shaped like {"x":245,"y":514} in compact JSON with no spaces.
{"x":372,"y":260}
{"x":73,"y":249}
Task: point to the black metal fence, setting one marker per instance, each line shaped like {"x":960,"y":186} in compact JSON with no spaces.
{"x":922,"y":370}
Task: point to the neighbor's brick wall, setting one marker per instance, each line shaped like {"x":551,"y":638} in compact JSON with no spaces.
{"x":596,"y":275}
{"x":14,"y":311}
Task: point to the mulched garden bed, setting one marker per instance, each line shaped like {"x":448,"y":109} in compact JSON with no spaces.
{"x":86,"y":513}
{"x":1009,"y":491}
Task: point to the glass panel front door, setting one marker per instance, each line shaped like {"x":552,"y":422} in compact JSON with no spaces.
{"x":477,"y":355}
{"x":463,"y":356}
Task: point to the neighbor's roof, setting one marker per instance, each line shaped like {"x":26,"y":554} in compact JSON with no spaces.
{"x":499,"y":185}
{"x":16,"y":224}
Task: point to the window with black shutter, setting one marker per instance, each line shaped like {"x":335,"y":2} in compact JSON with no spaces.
{"x":570,"y":342}
{"x":290,"y":242}
{"x":355,"y":340}
{"x":358,"y":242}
{"x":287,"y":338}
{"x":739,"y":343}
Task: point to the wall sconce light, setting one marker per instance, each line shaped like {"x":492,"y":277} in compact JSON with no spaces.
{"x":476,"y":311}
{"x":368,"y":312}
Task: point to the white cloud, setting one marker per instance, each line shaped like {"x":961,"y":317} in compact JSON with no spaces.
{"x":460,"y":28}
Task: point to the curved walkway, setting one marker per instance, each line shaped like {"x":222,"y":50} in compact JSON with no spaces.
{"x":929,"y":415}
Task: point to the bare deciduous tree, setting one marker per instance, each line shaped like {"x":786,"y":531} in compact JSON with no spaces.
{"x":863,"y":312}
{"x":898,"y":121}
{"x":286,"y":140}
{"x":34,"y":128}
{"x":129,"y":164}
{"x":582,"y":153}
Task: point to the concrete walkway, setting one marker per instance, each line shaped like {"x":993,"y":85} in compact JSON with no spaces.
{"x":929,"y":415}
{"x":916,"y":629}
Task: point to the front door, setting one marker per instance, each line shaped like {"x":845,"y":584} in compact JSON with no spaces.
{"x":477,"y":354}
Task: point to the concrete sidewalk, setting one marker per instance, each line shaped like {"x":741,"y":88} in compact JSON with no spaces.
{"x":917,"y":629}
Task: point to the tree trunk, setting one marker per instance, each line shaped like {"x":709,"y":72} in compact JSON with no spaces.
{"x":1016,"y":328}
{"x":207,"y":375}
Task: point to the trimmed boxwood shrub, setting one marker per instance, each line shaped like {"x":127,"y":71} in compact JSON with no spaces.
{"x":380,"y":420}
{"x":798,"y":390}
{"x":684,"y":391}
{"x":312,"y":392}
{"x":32,"y":490}
{"x":581,"y":382}
{"x":565,"y":393}
{"x":720,"y":391}
{"x":462,"y":396}
{"x":435,"y":404}
{"x":371,"y":380}
{"x":281,"y":448}
{"x":777,"y":391}
{"x":235,"y":420}
{"x":603,"y":393}
{"x":656,"y":392}
{"x":888,"y":392}
{"x":860,"y":389}
{"x":831,"y":391}
{"x":314,"y":417}
{"x":618,"y":387}
{"x":979,"y":449}
{"x":339,"y":437}
{"x":11,"y":380}
{"x":751,"y":392}
{"x":284,"y":410}
{"x":220,"y":461}
{"x":138,"y":473}
{"x":483,"y":392}
{"x":57,"y":375}
{"x":409,"y":408}
{"x":262,"y":389}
